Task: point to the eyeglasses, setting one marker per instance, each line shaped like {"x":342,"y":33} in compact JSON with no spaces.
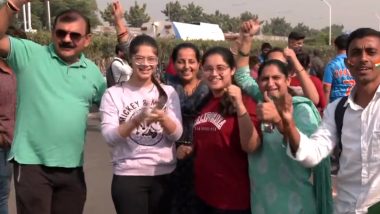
{"x":219,"y":69}
{"x":140,"y":60}
{"x":74,"y":36}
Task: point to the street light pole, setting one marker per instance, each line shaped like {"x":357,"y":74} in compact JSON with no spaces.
{"x":24,"y":17}
{"x":378,"y":17}
{"x":169,"y":12}
{"x":48,"y":14}
{"x":329,"y":5}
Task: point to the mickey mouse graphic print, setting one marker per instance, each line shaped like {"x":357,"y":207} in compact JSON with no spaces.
{"x":148,"y":151}
{"x":145,"y":134}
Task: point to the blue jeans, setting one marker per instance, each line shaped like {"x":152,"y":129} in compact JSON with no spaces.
{"x":5,"y":180}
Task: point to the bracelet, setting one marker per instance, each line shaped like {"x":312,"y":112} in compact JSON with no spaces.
{"x":122,"y":34}
{"x":241,"y":53}
{"x":13,"y":7}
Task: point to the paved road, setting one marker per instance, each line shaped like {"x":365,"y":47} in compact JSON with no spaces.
{"x":98,"y":174}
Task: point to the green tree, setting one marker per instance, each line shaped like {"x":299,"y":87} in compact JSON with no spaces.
{"x":234,"y":24}
{"x":87,"y":7}
{"x":225,"y":22}
{"x":39,"y":11}
{"x":247,"y":16}
{"x":193,"y":13}
{"x":174,"y":11}
{"x":302,"y":28}
{"x":107,"y":14}
{"x":137,"y":15}
{"x":336,"y":30}
{"x":277,"y":27}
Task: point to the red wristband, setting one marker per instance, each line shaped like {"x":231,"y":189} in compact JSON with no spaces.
{"x":13,"y":7}
{"x":122,"y":34}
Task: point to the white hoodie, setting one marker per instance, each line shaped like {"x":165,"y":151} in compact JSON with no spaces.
{"x":147,"y":151}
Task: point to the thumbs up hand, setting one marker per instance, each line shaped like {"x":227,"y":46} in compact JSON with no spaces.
{"x":117,"y":9}
{"x":250,"y":28}
{"x":267,"y":111}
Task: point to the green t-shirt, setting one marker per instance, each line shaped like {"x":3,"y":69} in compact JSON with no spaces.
{"x":53,"y":102}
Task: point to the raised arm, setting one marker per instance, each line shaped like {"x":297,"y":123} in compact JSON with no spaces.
{"x":242,"y":77}
{"x":308,"y":150}
{"x":7,"y":11}
{"x":249,"y":137}
{"x":284,"y":106}
{"x":122,"y":32}
{"x":307,"y":84}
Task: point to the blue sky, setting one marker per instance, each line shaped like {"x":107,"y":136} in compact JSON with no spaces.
{"x":314,"y":13}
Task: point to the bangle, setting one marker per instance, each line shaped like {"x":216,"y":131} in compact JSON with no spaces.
{"x":13,"y":7}
{"x":241,"y":53}
{"x":242,"y":115}
{"x":122,"y":34}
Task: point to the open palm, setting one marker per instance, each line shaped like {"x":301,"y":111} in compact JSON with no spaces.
{"x":284,"y":105}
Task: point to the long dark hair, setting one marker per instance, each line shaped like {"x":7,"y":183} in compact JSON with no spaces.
{"x":226,"y":106}
{"x":133,"y":49}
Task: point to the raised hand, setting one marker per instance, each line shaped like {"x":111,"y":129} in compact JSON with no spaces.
{"x":250,"y":28}
{"x":156,"y":115}
{"x":235,"y":93}
{"x":267,"y":110}
{"x":289,"y":53}
{"x":184,"y":151}
{"x":141,"y":116}
{"x":296,"y":91}
{"x":284,"y":105}
{"x":118,"y":10}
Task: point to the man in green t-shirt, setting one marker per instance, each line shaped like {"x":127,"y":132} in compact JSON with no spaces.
{"x":57,"y":85}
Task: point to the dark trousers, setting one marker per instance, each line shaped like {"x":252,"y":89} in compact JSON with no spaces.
{"x":5,"y":180}
{"x":202,"y":208}
{"x":49,"y":190}
{"x":141,"y":194}
{"x":182,"y":188}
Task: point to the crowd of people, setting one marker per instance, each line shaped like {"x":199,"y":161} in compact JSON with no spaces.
{"x":225,"y":133}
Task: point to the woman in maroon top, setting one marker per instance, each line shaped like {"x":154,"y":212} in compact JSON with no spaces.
{"x":223,"y":131}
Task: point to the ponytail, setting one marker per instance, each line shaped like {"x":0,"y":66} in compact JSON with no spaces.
{"x":162,"y":96}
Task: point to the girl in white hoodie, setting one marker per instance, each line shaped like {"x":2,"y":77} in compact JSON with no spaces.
{"x":141,"y":120}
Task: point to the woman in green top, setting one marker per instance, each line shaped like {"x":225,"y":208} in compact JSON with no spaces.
{"x":279,"y":184}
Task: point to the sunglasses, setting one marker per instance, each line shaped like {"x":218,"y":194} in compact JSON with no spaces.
{"x":74,"y":36}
